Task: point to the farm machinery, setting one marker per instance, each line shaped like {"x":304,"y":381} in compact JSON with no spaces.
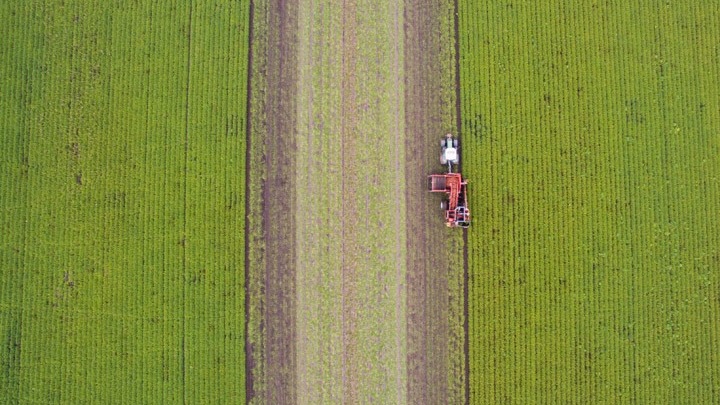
{"x":452,"y":184}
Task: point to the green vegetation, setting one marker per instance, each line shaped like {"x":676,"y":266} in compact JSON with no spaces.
{"x":350,"y":212}
{"x":380,"y":299}
{"x":122,"y":190}
{"x":319,"y":181}
{"x":591,"y":137}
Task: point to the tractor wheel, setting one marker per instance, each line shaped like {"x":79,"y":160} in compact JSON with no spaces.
{"x":443,"y":205}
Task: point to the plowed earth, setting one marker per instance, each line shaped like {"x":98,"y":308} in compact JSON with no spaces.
{"x":434,"y":265}
{"x":271,"y":204}
{"x":354,"y":284}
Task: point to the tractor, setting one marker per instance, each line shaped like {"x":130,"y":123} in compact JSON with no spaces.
{"x":449,"y":155}
{"x":453,"y":185}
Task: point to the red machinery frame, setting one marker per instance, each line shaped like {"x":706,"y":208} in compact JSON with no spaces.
{"x":457,"y":213}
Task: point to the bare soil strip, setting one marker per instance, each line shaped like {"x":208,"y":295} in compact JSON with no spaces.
{"x":400,"y":237}
{"x":271,"y":279}
{"x":458,"y":123}
{"x":279,"y":203}
{"x":346,"y":141}
{"x":433,"y":257}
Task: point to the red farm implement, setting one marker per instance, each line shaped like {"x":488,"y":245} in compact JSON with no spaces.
{"x":452,"y":184}
{"x":456,"y":209}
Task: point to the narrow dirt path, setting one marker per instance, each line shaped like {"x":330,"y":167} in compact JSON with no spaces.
{"x":352,"y":292}
{"x":272,"y":200}
{"x":434,"y":272}
{"x":400,"y":237}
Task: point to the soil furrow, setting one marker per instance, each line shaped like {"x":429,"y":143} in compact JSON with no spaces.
{"x":271,"y":271}
{"x":279,"y":202}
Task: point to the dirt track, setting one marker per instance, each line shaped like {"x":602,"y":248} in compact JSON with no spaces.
{"x":271,"y":354}
{"x":354,"y":295}
{"x":279,"y":205}
{"x":433,"y":271}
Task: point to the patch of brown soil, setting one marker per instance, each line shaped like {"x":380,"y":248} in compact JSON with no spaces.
{"x":272,"y":377}
{"x":430,"y":113}
{"x":279,"y":203}
{"x":249,"y":348}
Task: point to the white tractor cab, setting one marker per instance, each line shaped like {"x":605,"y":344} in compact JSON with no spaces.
{"x":449,"y":155}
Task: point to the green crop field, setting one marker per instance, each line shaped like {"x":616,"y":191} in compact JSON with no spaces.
{"x":592,"y":140}
{"x":122,"y":158}
{"x":141,"y":263}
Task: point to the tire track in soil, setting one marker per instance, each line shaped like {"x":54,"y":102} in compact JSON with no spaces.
{"x":279,"y":203}
{"x":429,"y":114}
{"x":271,"y":368}
{"x":466,"y":274}
{"x":401,"y":278}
